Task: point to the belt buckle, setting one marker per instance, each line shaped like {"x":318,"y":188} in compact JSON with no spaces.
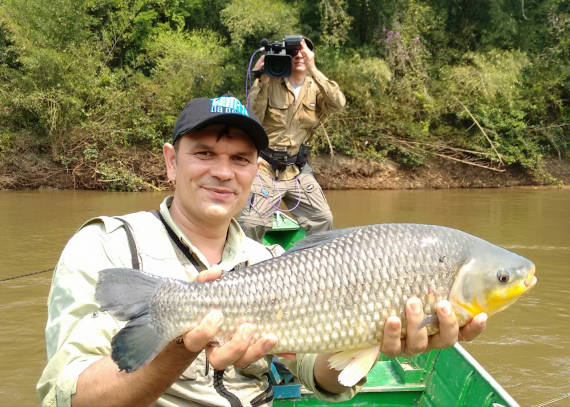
{"x":279,"y":155}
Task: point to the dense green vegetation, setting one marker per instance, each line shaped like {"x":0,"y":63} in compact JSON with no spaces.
{"x":95,"y":86}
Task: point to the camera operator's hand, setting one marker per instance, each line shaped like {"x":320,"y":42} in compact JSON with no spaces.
{"x":259,"y":67}
{"x":308,"y":56}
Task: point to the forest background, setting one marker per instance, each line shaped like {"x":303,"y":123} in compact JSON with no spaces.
{"x":90,"y":90}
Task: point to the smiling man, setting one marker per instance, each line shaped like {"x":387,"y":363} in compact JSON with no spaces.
{"x":213,"y":168}
{"x":212,"y":161}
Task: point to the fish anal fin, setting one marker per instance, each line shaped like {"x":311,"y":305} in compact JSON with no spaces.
{"x":354,"y":364}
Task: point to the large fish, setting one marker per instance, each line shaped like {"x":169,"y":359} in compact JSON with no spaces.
{"x":331,"y":293}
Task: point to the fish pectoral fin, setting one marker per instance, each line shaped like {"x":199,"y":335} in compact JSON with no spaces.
{"x":354,"y":364}
{"x":430,"y":319}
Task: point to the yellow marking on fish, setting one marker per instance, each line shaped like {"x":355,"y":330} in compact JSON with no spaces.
{"x":473,"y":308}
{"x":497,"y":298}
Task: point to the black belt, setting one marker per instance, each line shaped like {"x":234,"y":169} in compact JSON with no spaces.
{"x":278,"y":158}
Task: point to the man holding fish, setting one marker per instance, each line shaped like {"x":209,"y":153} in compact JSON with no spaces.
{"x":94,"y":359}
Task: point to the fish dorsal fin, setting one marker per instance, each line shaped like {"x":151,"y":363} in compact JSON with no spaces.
{"x":320,"y":238}
{"x":354,"y":364}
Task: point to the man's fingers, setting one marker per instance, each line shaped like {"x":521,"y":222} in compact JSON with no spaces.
{"x":305,"y":47}
{"x":259,"y":64}
{"x":289,"y":356}
{"x":416,"y":338}
{"x":391,"y":342}
{"x":448,"y":327}
{"x":307,"y":53}
{"x":208,"y":275}
{"x":223,"y":356}
{"x":473,"y":328}
{"x":197,"y":338}
{"x":257,"y":350}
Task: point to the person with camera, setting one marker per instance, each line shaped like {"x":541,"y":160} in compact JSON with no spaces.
{"x":290,"y":109}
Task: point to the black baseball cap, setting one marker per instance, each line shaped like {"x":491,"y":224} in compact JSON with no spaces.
{"x":225,"y":109}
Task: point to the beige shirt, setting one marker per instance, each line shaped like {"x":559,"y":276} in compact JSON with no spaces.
{"x":289,"y":121}
{"x":78,"y":334}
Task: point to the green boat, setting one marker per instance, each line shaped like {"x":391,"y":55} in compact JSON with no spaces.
{"x":441,"y":378}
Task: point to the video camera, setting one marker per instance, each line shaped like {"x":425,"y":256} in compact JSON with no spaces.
{"x":277,"y":61}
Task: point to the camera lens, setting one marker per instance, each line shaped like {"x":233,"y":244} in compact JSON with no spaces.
{"x":277,"y":65}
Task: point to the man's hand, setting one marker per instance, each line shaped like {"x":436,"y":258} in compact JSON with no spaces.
{"x":417,"y":340}
{"x":259,"y":67}
{"x":240,"y":351}
{"x":308,"y":56}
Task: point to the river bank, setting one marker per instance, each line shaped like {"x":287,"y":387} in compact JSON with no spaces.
{"x":146,"y":171}
{"x":438,"y":173}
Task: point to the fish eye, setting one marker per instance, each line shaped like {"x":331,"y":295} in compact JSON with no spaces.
{"x":503,"y":276}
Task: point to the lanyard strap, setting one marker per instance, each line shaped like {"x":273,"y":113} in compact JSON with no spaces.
{"x":183,"y":248}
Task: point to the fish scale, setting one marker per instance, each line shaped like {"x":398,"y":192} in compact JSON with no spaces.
{"x":331,"y":293}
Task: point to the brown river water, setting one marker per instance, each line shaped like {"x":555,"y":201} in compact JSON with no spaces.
{"x":526,"y":348}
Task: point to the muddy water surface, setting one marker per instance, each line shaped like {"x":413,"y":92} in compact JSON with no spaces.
{"x":526,"y":348}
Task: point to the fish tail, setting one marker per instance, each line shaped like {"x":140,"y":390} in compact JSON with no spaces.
{"x":127,"y":295}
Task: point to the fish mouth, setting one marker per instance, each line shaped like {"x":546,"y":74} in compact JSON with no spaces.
{"x":530,"y":280}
